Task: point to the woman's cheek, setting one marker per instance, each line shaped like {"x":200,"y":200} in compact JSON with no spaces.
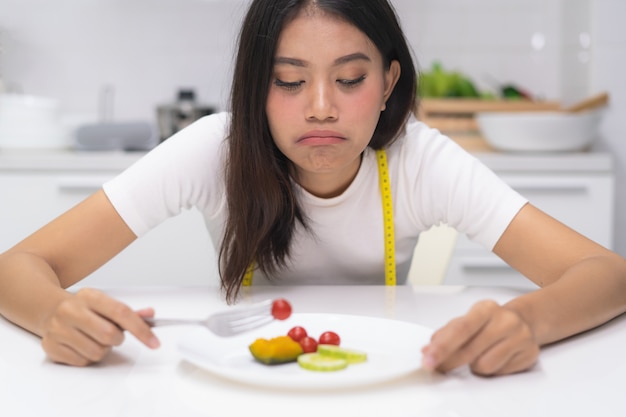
{"x":281,"y":106}
{"x":371,"y":98}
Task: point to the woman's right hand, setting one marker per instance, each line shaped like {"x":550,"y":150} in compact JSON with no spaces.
{"x":84,"y":328}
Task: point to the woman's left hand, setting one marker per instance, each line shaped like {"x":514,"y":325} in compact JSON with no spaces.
{"x":491,"y":339}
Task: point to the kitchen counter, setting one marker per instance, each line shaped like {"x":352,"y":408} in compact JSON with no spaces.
{"x":44,"y":160}
{"x":547,"y":162}
{"x":41,"y":160}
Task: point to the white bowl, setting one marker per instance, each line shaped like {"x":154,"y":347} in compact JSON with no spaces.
{"x":539,"y":131}
{"x":28,"y":122}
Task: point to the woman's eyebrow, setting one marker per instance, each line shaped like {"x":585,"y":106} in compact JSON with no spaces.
{"x":280,"y":60}
{"x":357,"y":56}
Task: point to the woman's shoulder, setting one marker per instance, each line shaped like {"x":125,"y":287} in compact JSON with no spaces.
{"x":215,"y":120}
{"x":418,"y":142}
{"x":190,"y":152}
{"x":205,"y":135}
{"x":181,"y":172}
{"x":213,"y":126}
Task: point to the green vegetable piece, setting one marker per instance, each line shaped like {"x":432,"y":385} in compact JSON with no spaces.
{"x":350,"y":355}
{"x":321,"y":363}
{"x":466,"y":88}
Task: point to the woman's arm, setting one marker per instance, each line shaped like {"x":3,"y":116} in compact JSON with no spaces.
{"x":75,"y":328}
{"x":583,"y":286}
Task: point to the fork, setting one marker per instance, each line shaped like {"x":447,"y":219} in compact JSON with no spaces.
{"x":226,"y":323}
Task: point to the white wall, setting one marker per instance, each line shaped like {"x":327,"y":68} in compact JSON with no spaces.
{"x":607,"y":73}
{"x":526,"y":42}
{"x":147,"y":49}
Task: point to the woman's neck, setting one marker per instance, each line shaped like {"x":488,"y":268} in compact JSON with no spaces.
{"x":327,"y":184}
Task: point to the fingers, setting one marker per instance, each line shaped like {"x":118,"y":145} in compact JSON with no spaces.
{"x":449,"y":346}
{"x":491,"y":339}
{"x":85,"y":327}
{"x":508,"y":357}
{"x":112,"y":317}
{"x":76,"y":349}
{"x":145,"y":312}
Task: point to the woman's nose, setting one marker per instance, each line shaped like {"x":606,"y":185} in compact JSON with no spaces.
{"x":321,"y":105}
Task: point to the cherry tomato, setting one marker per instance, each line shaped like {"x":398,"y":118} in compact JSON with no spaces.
{"x":281,"y":309}
{"x":329,"y":338}
{"x":297,"y":333}
{"x":308,"y":344}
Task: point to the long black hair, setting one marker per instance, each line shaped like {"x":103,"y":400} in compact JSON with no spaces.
{"x":262,"y":205}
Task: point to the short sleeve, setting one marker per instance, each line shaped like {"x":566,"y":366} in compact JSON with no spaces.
{"x":184,"y":171}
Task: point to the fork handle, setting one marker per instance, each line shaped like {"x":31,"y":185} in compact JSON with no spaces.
{"x":153,"y":322}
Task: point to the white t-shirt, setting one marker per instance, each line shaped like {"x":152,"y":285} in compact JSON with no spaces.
{"x":433,"y":181}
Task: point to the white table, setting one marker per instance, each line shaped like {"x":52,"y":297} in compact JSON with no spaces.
{"x":582,"y":376}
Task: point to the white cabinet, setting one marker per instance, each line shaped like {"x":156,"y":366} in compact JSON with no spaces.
{"x":35,"y":188}
{"x":576,"y":189}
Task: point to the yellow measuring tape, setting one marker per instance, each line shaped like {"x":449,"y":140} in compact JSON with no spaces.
{"x":385,"y":191}
{"x":390,"y":249}
{"x":247,"y":277}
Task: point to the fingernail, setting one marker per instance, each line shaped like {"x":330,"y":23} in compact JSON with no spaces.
{"x":429,"y":362}
{"x":153,"y":342}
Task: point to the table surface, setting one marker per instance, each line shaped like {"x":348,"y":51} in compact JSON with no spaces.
{"x":581,"y":376}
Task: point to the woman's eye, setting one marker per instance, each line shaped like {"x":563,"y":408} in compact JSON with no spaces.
{"x":351,"y":83}
{"x":289,"y":86}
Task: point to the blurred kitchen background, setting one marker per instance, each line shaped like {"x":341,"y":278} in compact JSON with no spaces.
{"x":121,"y":59}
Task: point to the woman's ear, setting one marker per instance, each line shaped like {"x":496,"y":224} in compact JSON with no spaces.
{"x":391,"y":78}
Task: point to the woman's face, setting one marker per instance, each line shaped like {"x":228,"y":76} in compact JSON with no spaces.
{"x":327,"y":92}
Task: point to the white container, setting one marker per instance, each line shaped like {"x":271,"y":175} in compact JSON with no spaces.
{"x":539,"y":131}
{"x":30,"y":122}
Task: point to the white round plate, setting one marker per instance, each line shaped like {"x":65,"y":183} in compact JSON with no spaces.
{"x":393,"y":348}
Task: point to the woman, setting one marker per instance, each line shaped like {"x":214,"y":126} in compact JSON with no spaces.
{"x":289,"y":180}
